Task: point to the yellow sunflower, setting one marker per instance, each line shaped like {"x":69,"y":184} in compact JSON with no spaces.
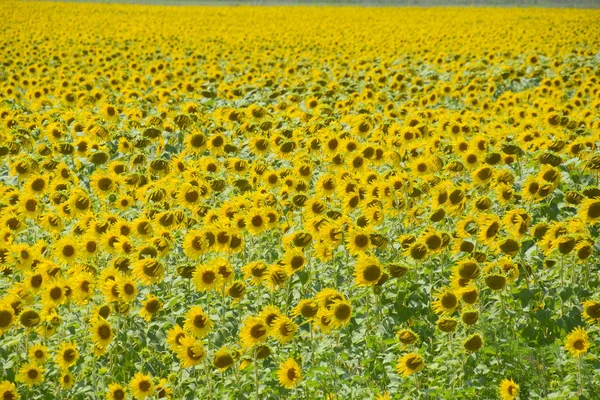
{"x":577,"y":342}
{"x":508,"y":389}
{"x":197,"y":322}
{"x":409,"y":364}
{"x":254,"y":331}
{"x":141,"y":386}
{"x":367,"y":271}
{"x":31,"y":374}
{"x":289,"y":373}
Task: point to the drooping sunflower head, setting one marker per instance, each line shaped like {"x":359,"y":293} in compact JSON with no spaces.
{"x":473,"y":343}
{"x":407,"y":337}
{"x":591,"y":310}
{"x":410,"y":363}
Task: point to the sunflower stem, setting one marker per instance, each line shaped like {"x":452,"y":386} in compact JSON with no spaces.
{"x":208,"y":380}
{"x":580,"y":388}
{"x":256,"y":381}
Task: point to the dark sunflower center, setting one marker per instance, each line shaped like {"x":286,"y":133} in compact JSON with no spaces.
{"x":594,"y":210}
{"x":257,"y":221}
{"x":5,"y":318}
{"x":291,"y":374}
{"x":361,"y":240}
{"x":32,"y":374}
{"x":297,"y":262}
{"x":193,"y":355}
{"x":56,"y":293}
{"x":104,"y":332}
{"x":433,"y":242}
{"x":342,"y":312}
{"x":199,"y":321}
{"x":309,"y":310}
{"x":413,"y":363}
{"x":68,"y":250}
{"x":31,"y":205}
{"x":152,"y":306}
{"x":372,"y":273}
{"x":579,"y":344}
{"x":198,"y":140}
{"x":38,"y":185}
{"x":191,"y":196}
{"x":128,"y":288}
{"x":91,"y":247}
{"x":449,"y":301}
{"x":258,"y":331}
{"x":119,"y":394}
{"x":69,"y":355}
{"x":144,"y":386}
{"x":208,"y":277}
{"x":105,"y":184}
{"x":223,"y":361}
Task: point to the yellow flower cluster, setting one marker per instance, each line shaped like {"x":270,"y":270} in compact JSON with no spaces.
{"x":187,"y":192}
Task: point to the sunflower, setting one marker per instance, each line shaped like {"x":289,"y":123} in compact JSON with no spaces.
{"x":254,"y":331}
{"x":407,"y":337}
{"x":102,"y":333}
{"x":409,"y":364}
{"x":223,"y":359}
{"x":54,"y":293}
{"x":447,"y":325}
{"x":358,"y":240}
{"x":283,"y":329}
{"x":31,"y":374}
{"x":589,"y":210}
{"x":367,"y":270}
{"x":38,"y":353}
{"x":197,"y":322}
{"x":447,"y":301}
{"x":8,"y":391}
{"x":162,"y":390}
{"x":591,"y":310}
{"x":307,"y":308}
{"x":508,"y":389}
{"x":67,"y":355}
{"x":65,"y":250}
{"x":7,"y":316}
{"x":207,"y":277}
{"x":194,"y":244}
{"x":294,"y":260}
{"x":191,"y":352}
{"x":67,"y":380}
{"x":473,"y":343}
{"x":175,"y":335}
{"x":256,"y":221}
{"x":141,"y":386}
{"x":340,"y":313}
{"x":115,"y":392}
{"x":577,"y":342}
{"x":289,"y":373}
{"x":150,"y":307}
{"x":148,"y":271}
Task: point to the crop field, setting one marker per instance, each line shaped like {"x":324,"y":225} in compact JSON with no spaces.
{"x":274,"y":202}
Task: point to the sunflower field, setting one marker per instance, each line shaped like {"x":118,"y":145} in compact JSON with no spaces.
{"x":299,"y":202}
